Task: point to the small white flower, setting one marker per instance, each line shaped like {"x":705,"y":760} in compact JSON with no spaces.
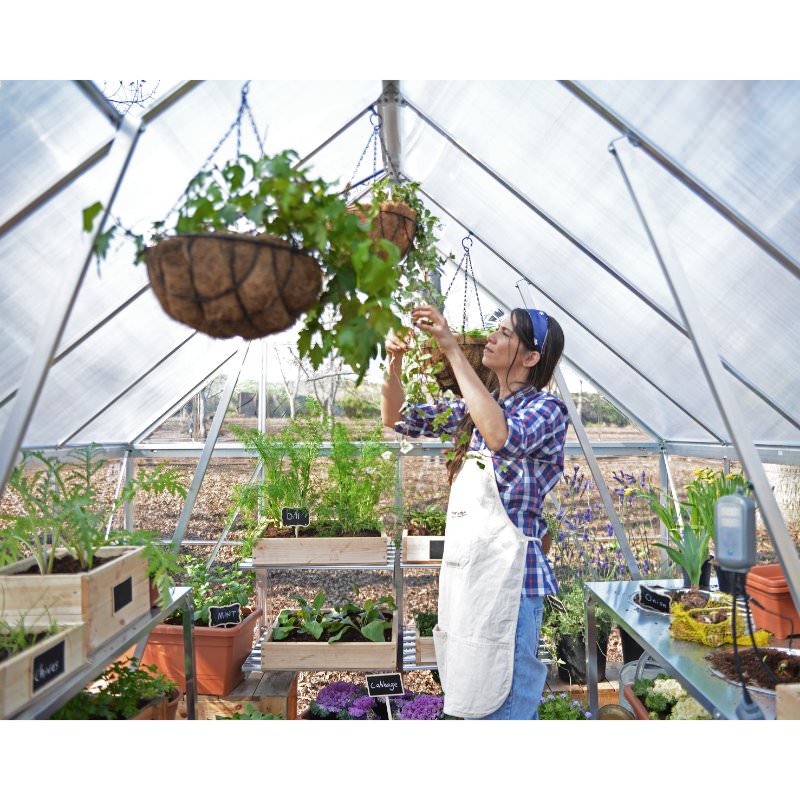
{"x":386,"y":455}
{"x":406,"y":447}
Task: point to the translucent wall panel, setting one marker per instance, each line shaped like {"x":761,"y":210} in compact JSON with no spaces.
{"x":552,"y":149}
{"x":47,"y":128}
{"x":93,"y":375}
{"x":740,"y":138}
{"x":146,"y":403}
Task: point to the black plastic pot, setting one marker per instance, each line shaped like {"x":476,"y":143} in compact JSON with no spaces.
{"x":572,"y":651}
{"x":725,"y":579}
{"x":630,"y":649}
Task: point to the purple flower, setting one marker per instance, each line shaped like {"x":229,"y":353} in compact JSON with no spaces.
{"x":334,"y":697}
{"x":424,"y":706}
{"x":359,"y":707}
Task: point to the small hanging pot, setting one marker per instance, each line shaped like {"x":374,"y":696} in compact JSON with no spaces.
{"x":472,"y":347}
{"x":231,"y":284}
{"x":396,"y":222}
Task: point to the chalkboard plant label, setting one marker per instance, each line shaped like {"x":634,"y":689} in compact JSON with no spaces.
{"x":123,"y":594}
{"x":48,"y":666}
{"x":224,"y":616}
{"x":295,"y":517}
{"x":436,"y":550}
{"x":389,"y":684}
{"x":650,"y":598}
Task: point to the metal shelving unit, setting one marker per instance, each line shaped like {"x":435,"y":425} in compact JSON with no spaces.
{"x":51,"y":699}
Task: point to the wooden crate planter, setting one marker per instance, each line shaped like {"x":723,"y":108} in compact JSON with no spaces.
{"x":218,"y":654}
{"x":106,"y":599}
{"x":321,"y":550}
{"x":267,"y":692}
{"x":422,"y":549}
{"x":364,"y":655}
{"x":45,"y":664}
{"x":426,"y":652}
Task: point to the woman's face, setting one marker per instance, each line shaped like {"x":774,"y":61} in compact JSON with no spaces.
{"x":505,"y":352}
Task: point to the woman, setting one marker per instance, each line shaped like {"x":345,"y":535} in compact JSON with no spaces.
{"x":509,"y":452}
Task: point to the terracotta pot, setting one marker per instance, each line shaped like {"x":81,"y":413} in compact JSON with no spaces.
{"x":635,"y":703}
{"x":767,"y":585}
{"x":218,"y":654}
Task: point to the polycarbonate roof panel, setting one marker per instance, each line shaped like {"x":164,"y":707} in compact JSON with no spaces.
{"x":739,"y":285}
{"x":740,"y":138}
{"x":47,"y":128}
{"x":165,"y":386}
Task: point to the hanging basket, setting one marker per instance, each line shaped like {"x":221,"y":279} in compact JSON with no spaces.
{"x":396,"y":222}
{"x":230,"y":284}
{"x":472,"y":347}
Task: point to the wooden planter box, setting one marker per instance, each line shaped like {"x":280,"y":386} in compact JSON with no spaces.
{"x":159,"y":708}
{"x":218,"y":654}
{"x":322,"y":550}
{"x":422,"y":549}
{"x":364,"y":655}
{"x":45,"y":664}
{"x":426,"y":652}
{"x":106,"y":599}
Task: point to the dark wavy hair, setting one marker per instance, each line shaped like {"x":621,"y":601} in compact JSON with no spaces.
{"x":539,"y":376}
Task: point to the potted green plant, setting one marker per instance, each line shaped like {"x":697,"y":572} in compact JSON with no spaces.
{"x":345,"y":525}
{"x":424,"y":623}
{"x":256,"y":243}
{"x":219,"y":649}
{"x":351,"y":635}
{"x":423,"y":534}
{"x":689,"y":547}
{"x":127,"y":690}
{"x":250,"y":712}
{"x":34,"y":656}
{"x":563,"y":626}
{"x":57,"y":558}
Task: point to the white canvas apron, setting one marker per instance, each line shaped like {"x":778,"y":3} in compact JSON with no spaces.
{"x":480,"y":584}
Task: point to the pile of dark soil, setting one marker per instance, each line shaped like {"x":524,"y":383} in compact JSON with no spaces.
{"x":785,"y":667}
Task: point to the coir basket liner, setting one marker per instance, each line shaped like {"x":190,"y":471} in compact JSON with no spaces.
{"x":472,"y":347}
{"x":396,"y":222}
{"x":230,"y":284}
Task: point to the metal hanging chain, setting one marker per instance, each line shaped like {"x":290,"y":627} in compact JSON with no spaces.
{"x":466,"y":265}
{"x":236,"y":125}
{"x":374,"y":137}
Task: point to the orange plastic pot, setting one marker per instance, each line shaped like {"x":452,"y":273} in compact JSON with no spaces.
{"x":218,"y":654}
{"x":766,"y":583}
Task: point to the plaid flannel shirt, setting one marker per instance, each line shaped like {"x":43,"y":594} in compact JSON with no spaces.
{"x":526,"y":467}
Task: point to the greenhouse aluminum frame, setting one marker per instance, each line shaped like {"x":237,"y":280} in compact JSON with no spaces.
{"x":554,"y":184}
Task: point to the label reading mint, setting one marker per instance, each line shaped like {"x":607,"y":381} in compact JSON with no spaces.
{"x":436,"y":550}
{"x":387,"y":685}
{"x":654,"y":600}
{"x":48,"y":666}
{"x":123,"y":594}
{"x":224,"y":616}
{"x":295,"y":516}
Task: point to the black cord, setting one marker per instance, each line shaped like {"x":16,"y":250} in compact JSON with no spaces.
{"x":747,"y":698}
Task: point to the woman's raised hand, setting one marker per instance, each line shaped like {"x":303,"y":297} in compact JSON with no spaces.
{"x":430,"y":320}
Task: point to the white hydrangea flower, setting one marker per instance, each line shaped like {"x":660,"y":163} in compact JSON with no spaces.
{"x":688,"y":708}
{"x":669,"y":688}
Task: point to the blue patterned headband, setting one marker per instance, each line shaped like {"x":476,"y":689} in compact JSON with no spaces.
{"x":540,"y":322}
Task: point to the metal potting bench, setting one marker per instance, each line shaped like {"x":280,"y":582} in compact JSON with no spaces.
{"x":684,"y":661}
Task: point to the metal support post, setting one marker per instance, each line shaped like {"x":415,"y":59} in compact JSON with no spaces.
{"x":708,"y":356}
{"x":262,"y":388}
{"x":208,"y":449}
{"x":117,"y":490}
{"x":597,"y":474}
{"x":129,"y":506}
{"x":188,"y":657}
{"x":229,"y":524}
{"x":55,"y":319}
{"x":590,"y":624}
{"x":391,"y":138}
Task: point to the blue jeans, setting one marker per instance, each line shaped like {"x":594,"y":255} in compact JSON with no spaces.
{"x":529,"y":673}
